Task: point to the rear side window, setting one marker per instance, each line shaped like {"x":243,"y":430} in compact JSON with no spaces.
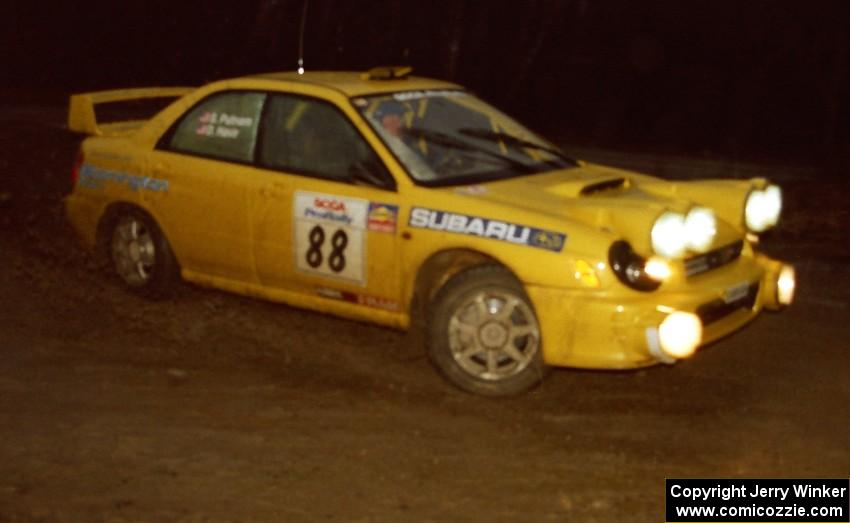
{"x":223,"y":126}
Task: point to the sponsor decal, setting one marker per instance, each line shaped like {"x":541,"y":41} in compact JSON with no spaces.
{"x":382,"y":217}
{"x":375,"y":302}
{"x":486,"y":228}
{"x":331,"y":209}
{"x":92,"y":177}
{"x":552,"y":241}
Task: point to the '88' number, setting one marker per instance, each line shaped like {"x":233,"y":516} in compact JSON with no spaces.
{"x":336,"y":259}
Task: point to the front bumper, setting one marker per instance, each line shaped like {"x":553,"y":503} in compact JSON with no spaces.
{"x":618,"y":329}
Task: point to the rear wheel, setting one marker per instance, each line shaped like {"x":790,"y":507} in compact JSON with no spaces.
{"x":483,"y":333}
{"x":140,"y":254}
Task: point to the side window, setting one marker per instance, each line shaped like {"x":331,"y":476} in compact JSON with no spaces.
{"x":311,"y":137}
{"x":222,"y":126}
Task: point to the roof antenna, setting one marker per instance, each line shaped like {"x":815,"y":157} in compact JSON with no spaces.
{"x":301,"y":38}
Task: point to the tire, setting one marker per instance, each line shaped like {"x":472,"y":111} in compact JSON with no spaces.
{"x":483,"y":335}
{"x":140,"y":254}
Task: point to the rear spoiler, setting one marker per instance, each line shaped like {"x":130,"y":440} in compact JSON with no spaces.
{"x":81,"y":115}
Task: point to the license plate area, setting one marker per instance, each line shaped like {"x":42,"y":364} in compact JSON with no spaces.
{"x":737,"y":297}
{"x":736,"y":292}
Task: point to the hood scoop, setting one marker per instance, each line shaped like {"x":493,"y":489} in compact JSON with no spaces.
{"x":604,"y":185}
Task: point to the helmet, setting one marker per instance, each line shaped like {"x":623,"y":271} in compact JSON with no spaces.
{"x":389,"y":107}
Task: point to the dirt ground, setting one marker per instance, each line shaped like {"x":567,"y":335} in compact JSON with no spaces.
{"x":213,"y":407}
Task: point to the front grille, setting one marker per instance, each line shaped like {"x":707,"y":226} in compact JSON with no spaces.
{"x":719,"y":309}
{"x":713,"y":259}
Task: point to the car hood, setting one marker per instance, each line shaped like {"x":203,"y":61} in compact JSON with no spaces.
{"x":621,"y":203}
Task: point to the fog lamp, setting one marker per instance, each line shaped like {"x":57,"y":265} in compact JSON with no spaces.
{"x":680,"y":333}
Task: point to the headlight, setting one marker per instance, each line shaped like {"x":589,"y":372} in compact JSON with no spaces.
{"x":701,"y":226}
{"x":762,"y":208}
{"x":669,"y":235}
{"x":633,"y":270}
{"x":657,"y":269}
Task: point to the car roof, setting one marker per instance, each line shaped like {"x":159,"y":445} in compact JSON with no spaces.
{"x":352,"y":83}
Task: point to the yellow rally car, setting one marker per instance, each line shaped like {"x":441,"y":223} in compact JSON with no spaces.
{"x":405,"y":201}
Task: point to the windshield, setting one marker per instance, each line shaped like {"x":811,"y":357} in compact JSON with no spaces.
{"x":448,"y":137}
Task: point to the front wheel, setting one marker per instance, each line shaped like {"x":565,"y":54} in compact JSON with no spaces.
{"x":140,"y":254}
{"x":483,"y":333}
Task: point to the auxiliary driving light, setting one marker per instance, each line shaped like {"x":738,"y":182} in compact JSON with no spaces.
{"x":785,"y":285}
{"x":701,"y":226}
{"x":669,"y":235}
{"x":680,"y":333}
{"x":762,"y":208}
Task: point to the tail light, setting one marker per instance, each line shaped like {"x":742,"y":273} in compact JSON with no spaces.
{"x":75,"y":170}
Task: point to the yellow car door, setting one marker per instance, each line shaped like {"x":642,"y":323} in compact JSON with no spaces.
{"x":325,"y":221}
{"x":207,"y":156}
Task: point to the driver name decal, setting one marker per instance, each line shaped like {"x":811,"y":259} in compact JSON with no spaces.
{"x":434,"y":220}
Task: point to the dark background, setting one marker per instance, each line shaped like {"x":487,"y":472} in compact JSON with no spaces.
{"x":752,"y":80}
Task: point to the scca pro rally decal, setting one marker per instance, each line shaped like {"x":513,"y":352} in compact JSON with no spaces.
{"x":486,"y":228}
{"x":329,"y":235}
